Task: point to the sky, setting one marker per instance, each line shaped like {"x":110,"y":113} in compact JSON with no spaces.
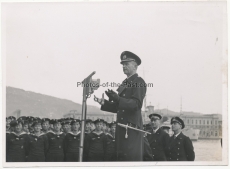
{"x":49,"y":47}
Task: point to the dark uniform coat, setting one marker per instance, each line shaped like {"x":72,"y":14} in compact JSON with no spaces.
{"x":158,"y":142}
{"x":38,"y":146}
{"x":56,"y":147}
{"x":110,"y":148}
{"x":16,"y":147}
{"x":147,"y":156}
{"x":131,"y":92}
{"x":180,"y":149}
{"x":95,"y":147}
{"x":71,"y":147}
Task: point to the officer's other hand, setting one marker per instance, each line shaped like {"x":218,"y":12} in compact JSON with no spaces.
{"x":114,"y":96}
{"x":100,"y":101}
{"x":108,"y":93}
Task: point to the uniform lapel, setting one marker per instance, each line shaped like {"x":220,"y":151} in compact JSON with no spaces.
{"x":122,"y":87}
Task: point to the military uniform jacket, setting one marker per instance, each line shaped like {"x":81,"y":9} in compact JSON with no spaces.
{"x":180,"y":149}
{"x":38,"y":145}
{"x":56,"y":143}
{"x":16,"y":147}
{"x":158,"y":142}
{"x":95,"y":146}
{"x":72,"y":142}
{"x":128,"y":111}
{"x":110,"y":148}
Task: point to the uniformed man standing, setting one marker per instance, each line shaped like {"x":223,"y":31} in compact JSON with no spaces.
{"x":127,"y":104}
{"x":158,"y":139}
{"x":180,"y":147}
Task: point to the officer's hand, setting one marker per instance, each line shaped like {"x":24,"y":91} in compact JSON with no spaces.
{"x":108,"y":94}
{"x":100,"y":101}
{"x":114,"y":96}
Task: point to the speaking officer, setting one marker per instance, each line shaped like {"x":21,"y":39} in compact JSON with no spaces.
{"x":127,"y":104}
{"x":158,"y":139}
{"x":180,"y":147}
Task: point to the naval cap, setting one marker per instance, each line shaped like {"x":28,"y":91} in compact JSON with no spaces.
{"x":98,"y":120}
{"x":155,"y":115}
{"x":178,"y":120}
{"x":127,"y":56}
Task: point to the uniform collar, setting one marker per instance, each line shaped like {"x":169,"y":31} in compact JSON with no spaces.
{"x":177,"y":134}
{"x":109,"y":134}
{"x":56,"y":133}
{"x":131,"y":78}
{"x":97,"y":133}
{"x":155,"y":130}
{"x":75,"y":134}
{"x":36,"y":135}
{"x":19,"y":134}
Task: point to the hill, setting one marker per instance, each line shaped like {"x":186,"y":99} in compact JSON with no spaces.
{"x":40,"y":105}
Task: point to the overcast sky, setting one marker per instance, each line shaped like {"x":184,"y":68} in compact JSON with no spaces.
{"x":50,"y":47}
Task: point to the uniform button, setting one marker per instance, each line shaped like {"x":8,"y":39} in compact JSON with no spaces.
{"x":123,"y":94}
{"x":177,"y":159}
{"x":179,"y":143}
{"x":59,"y":146}
{"x":123,"y":111}
{"x":153,"y":155}
{"x":121,"y":118}
{"x":170,"y":158}
{"x":21,"y":147}
{"x":178,"y":154}
{"x":58,"y":136}
{"x":118,"y":111}
{"x":74,"y":137}
{"x":154,"y":148}
{"x":98,"y":137}
{"x":178,"y":148}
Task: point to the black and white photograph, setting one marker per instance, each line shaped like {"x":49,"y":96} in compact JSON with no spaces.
{"x":114,"y":83}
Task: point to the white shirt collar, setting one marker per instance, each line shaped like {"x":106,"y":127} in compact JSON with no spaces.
{"x":130,"y":76}
{"x":155,"y":130}
{"x":177,"y":134}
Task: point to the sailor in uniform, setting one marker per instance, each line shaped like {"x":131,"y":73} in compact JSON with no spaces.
{"x":127,"y":104}
{"x":16,"y":143}
{"x":56,"y":142}
{"x":158,"y":140}
{"x":180,"y":147}
{"x":95,"y":143}
{"x":45,"y":122}
{"x":38,"y":144}
{"x":110,"y":145}
{"x":88,"y":126}
{"x":72,"y":142}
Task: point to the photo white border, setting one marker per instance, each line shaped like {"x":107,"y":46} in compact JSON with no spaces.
{"x":225,"y":118}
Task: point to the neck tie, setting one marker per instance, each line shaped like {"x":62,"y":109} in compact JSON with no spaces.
{"x":174,"y":136}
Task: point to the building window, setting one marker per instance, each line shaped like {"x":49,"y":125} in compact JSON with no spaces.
{"x":192,"y":121}
{"x":216,"y":133}
{"x":200,"y":121}
{"x":196,"y":121}
{"x":188,"y":121}
{"x":207,"y":122}
{"x":204,"y":133}
{"x":211,"y":133}
{"x":211,"y":121}
{"x":215,"y":122}
{"x":203,"y":121}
